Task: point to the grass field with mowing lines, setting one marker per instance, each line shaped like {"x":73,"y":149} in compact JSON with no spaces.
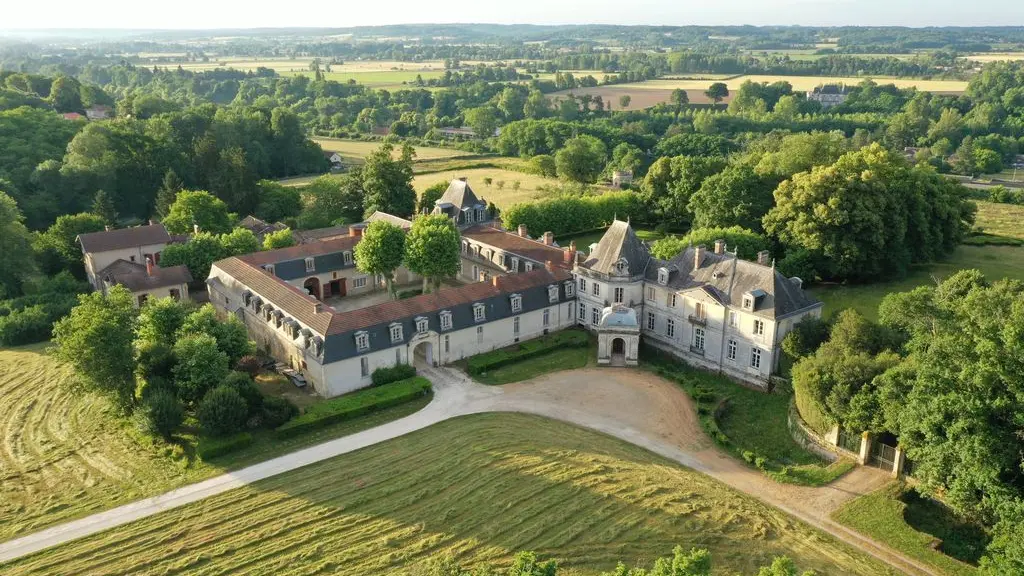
{"x":478,"y":488}
{"x":1001,"y":219}
{"x":358,"y":149}
{"x":66,"y":454}
{"x":528,"y":184}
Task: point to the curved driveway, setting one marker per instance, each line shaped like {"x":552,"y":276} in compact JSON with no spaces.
{"x":630,"y":404}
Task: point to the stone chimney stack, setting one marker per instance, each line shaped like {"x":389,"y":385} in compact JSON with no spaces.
{"x":355,"y":231}
{"x":149,"y":266}
{"x":522,"y":230}
{"x":549,"y":238}
{"x":550,"y":266}
{"x":569,"y":256}
{"x":764,"y":258}
{"x":719,"y":246}
{"x":698,"y":255}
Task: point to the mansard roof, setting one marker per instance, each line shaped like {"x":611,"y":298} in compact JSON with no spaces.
{"x":619,"y":243}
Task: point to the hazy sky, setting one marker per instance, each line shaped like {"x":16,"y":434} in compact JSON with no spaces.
{"x":275,"y":13}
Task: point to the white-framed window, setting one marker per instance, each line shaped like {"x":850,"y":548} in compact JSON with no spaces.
{"x":595,"y":315}
{"x":310,"y":266}
{"x":570,"y":289}
{"x":476,"y":250}
{"x":481,"y":214}
{"x":650,"y":320}
{"x":515,"y":326}
{"x":396,"y":332}
{"x":748,"y":303}
{"x":347,"y":257}
{"x":479,"y":334}
{"x":553,"y":293}
{"x":619,"y":294}
{"x":465,"y":247}
{"x":670,"y":328}
{"x":476,"y":272}
{"x":359,"y":282}
{"x":596,"y":289}
{"x":362,"y":341}
{"x":755,"y":358}
{"x":479,"y":313}
{"x":364,"y":366}
{"x":734,"y":319}
{"x":670,"y":300}
{"x":529,"y":266}
{"x":698,"y":338}
{"x":547,"y":317}
{"x":651,"y":294}
{"x":568,"y":311}
{"x":269,"y":268}
{"x":662,"y":276}
{"x":759,"y":327}
{"x":422,"y":324}
{"x":447,"y":343}
{"x":730,"y":351}
{"x":446,"y":320}
{"x":515,"y":264}
{"x":583,"y":284}
{"x":699,"y":310}
{"x":517,"y":303}
{"x":583,"y":311}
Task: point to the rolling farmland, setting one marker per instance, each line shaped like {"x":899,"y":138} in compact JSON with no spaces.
{"x":477,"y":488}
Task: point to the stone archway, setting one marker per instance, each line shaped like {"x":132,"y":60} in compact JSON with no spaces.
{"x":423,"y":354}
{"x":618,"y":352}
{"x":312,"y":286}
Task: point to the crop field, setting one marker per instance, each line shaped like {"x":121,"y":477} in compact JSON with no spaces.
{"x":802,"y":83}
{"x":387,"y":79}
{"x":66,"y":454}
{"x":477,"y":488}
{"x":985,"y":57}
{"x":503,"y":197}
{"x":302,"y":64}
{"x":641,"y":98}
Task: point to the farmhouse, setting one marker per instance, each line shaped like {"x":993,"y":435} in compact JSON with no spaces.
{"x":311,"y":308}
{"x":131,"y":257}
{"x":829,"y":95}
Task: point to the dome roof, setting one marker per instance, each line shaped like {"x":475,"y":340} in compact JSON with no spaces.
{"x":619,"y":316}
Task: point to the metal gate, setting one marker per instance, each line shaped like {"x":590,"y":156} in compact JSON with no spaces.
{"x":882,"y":456}
{"x":849,"y":441}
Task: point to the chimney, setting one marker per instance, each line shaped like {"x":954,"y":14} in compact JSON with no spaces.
{"x":318,"y":308}
{"x":149,"y":266}
{"x":355,"y":231}
{"x":764,"y":257}
{"x":549,"y":238}
{"x":494,"y":280}
{"x":569,"y":255}
{"x":698,"y":255}
{"x":522,"y":230}
{"x":719,"y":246}
{"x":195,"y":228}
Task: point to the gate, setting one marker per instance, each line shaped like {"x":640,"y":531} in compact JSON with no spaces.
{"x":849,"y":441}
{"x":882,"y":456}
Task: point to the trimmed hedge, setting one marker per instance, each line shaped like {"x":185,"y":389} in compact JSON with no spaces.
{"x":525,"y":350}
{"x":210,"y":447}
{"x":356,"y":404}
{"x":382,"y":376}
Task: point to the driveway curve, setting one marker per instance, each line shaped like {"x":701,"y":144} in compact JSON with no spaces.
{"x":632,"y":405}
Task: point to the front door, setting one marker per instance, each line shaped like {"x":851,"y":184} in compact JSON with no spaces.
{"x":338,"y":287}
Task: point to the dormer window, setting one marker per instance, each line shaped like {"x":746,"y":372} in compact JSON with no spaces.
{"x":663,"y":276}
{"x":515,"y":264}
{"x":529,"y":266}
{"x":310,"y":267}
{"x":362,"y":341}
{"x":269,"y":268}
{"x":465,"y":247}
{"x":347,"y":257}
{"x":446,"y":320}
{"x":246,"y":297}
{"x":748,"y":302}
{"x":396,"y":332}
{"x":570,"y":288}
{"x":553,"y":293}
{"x":481,"y":214}
{"x":622,"y":266}
{"x":479,"y":312}
{"x":517,"y":303}
{"x":422,"y":324}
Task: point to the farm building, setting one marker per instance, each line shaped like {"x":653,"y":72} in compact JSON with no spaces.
{"x":130,"y":257}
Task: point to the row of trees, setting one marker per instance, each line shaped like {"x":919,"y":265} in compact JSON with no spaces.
{"x":431,"y":249}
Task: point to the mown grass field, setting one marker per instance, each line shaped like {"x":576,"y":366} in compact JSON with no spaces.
{"x":478,"y":488}
{"x":1000,"y":219}
{"x":66,"y":454}
{"x":503,"y":197}
{"x":804,"y":82}
{"x":356,"y":150}
{"x":995,"y":56}
{"x":282,"y":65}
{"x":388,"y":79}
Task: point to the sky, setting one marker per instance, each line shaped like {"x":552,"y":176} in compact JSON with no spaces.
{"x":188,"y":14}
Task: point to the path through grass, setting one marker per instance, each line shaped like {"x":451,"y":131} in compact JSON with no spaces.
{"x":478,"y":488}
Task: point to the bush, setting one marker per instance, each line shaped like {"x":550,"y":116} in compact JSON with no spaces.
{"x":277,"y":411}
{"x":525,"y":350}
{"x":25,"y":326}
{"x":249,"y":364}
{"x":155,"y":360}
{"x":805,"y":338}
{"x":222,"y":411}
{"x":395,"y":373}
{"x":163,"y":412}
{"x":565,"y":215}
{"x":241,"y":382}
{"x":213,"y":447}
{"x":356,"y":404}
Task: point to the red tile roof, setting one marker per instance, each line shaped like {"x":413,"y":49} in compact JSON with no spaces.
{"x":516,"y":244}
{"x":301,"y":251}
{"x":293,"y":301}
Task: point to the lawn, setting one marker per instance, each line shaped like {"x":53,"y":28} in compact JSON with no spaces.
{"x":566,"y":350}
{"x":503,"y":195}
{"x":912,"y":525}
{"x":994,"y":261}
{"x":478,"y":488}
{"x":1000,"y":219}
{"x":356,"y":150}
{"x":65,"y":454}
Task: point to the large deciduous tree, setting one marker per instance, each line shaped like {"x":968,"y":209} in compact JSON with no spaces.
{"x":60,"y":242}
{"x":387,"y":182}
{"x":330,"y":201}
{"x":736,"y":196}
{"x":433,"y":248}
{"x":198,"y":208}
{"x":381,"y":251}
{"x":198,"y":254}
{"x":671,"y":182}
{"x":581,"y":159}
{"x":16,"y":262}
{"x":200,"y":366}
{"x":717,"y":92}
{"x":229,"y":332}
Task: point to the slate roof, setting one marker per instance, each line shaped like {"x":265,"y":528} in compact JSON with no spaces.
{"x":293,"y":301}
{"x":727,"y":278}
{"x":319,"y":234}
{"x":331,"y":246}
{"x":619,"y":241}
{"x":259,"y":227}
{"x":124,"y":238}
{"x":460,"y":195}
{"x":133,"y":276}
{"x":516,"y":244}
{"x":396,"y":220}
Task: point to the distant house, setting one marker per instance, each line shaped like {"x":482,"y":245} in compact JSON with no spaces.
{"x":457,"y":132}
{"x":73,"y":116}
{"x":335,"y":159}
{"x":260,"y":228}
{"x":622,"y":178}
{"x":829,"y":95}
{"x":99,"y":112}
{"x":131,"y":257}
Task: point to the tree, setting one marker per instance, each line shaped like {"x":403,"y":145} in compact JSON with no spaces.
{"x":198,"y":254}
{"x":278,"y":202}
{"x":627,"y":157}
{"x":433,"y":248}
{"x":103,"y":206}
{"x":736,"y":196}
{"x":430,"y":197}
{"x":680,"y":98}
{"x":200,"y":366}
{"x":198,"y":208}
{"x":163,"y":413}
{"x":230,"y":334}
{"x":671,"y":182}
{"x":717,"y":92}
{"x":483,"y":120}
{"x":96,"y":340}
{"x":624,"y":101}
{"x":581,"y":159}
{"x":168,"y":193}
{"x":66,"y":94}
{"x":537,"y":106}
{"x":278,"y":239}
{"x":239,"y":241}
{"x":387,"y":182}
{"x":159,"y":321}
{"x":381,"y":251}
{"x":243,"y":384}
{"x":745,"y":243}
{"x":511,"y":102}
{"x":222,"y":411}
{"x":62,"y":240}
{"x":544,"y":165}
{"x":329,"y":201}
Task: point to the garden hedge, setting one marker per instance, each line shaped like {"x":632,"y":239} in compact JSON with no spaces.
{"x":210,"y":447}
{"x":356,"y":404}
{"x":382,"y":376}
{"x":525,"y":350}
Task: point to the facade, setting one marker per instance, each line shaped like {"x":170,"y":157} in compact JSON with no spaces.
{"x":622,"y":178}
{"x":829,"y":95}
{"x":147,"y":281}
{"x":131,"y":257}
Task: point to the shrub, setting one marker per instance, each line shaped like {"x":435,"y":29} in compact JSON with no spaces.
{"x":163,"y":412}
{"x":249,"y":364}
{"x":748,"y":456}
{"x":806,"y":336}
{"x":395,"y":373}
{"x":155,"y":360}
{"x":222,"y":411}
{"x":213,"y":447}
{"x":277,"y":411}
{"x":760,"y":462}
{"x":356,"y":404}
{"x":25,"y":326}
{"x":525,"y":350}
{"x":241,"y":382}
{"x":565,"y":215}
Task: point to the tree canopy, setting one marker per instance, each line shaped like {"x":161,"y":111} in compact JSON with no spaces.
{"x":433,"y":248}
{"x":381,"y":250}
